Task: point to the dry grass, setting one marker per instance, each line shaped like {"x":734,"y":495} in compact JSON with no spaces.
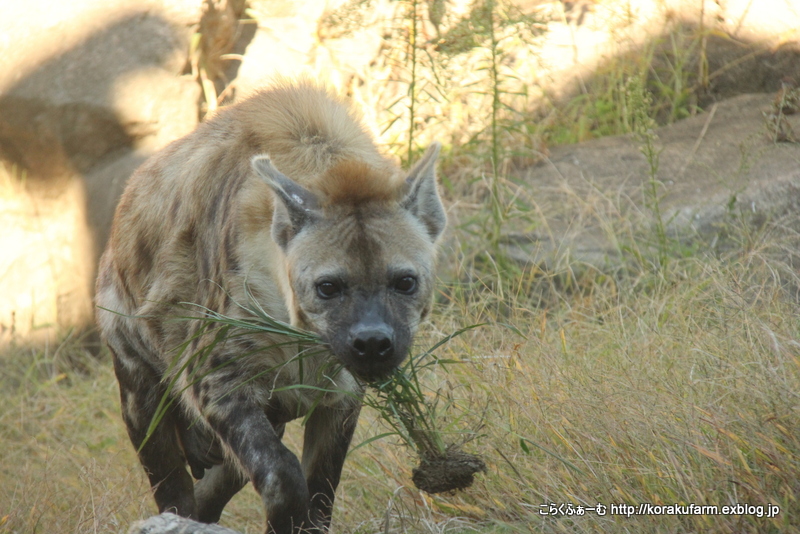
{"x":671,"y":388}
{"x":677,"y":387}
{"x":67,"y":463}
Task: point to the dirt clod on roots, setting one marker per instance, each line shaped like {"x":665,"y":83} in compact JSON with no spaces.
{"x":454,"y":471}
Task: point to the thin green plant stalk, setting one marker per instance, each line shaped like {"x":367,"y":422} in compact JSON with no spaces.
{"x":702,"y":63}
{"x":639,"y":102}
{"x":412,"y":86}
{"x":497,"y":207}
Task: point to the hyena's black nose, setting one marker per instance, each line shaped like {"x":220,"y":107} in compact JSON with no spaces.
{"x":373,"y":342}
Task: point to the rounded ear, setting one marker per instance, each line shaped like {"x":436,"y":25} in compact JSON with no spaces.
{"x":295,"y":206}
{"x":422,"y":197}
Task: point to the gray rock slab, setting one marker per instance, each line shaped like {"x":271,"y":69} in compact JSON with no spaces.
{"x":172,"y":524}
{"x":720,"y":163}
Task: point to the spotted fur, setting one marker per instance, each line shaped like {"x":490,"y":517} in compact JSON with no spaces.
{"x":284,"y":196}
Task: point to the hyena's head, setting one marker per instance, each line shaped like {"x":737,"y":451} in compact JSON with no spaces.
{"x":360,"y":257}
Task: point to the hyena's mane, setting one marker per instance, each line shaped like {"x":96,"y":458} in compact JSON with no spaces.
{"x":318,"y":140}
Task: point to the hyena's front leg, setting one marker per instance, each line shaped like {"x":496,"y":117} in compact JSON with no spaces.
{"x":273,"y":469}
{"x":161,"y":457}
{"x":218,"y":486}
{"x":326,"y":440}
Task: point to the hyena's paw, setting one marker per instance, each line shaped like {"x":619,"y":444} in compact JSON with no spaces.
{"x":284,"y":491}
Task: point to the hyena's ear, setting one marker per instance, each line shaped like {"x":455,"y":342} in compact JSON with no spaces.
{"x":295,"y":206}
{"x":422,"y":196}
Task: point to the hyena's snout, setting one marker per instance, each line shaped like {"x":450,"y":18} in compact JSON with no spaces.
{"x":374,"y":347}
{"x":372,"y":342}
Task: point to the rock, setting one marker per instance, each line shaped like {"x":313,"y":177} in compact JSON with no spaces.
{"x":104,"y":186}
{"x":713,"y":166}
{"x":86,"y":89}
{"x":92,"y":77}
{"x":282,"y":44}
{"x":299,"y":38}
{"x":172,"y":524}
{"x":46,"y":263}
{"x":748,"y":49}
{"x":351,"y":39}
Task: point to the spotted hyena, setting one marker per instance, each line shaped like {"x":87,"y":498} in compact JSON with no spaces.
{"x":283,"y":199}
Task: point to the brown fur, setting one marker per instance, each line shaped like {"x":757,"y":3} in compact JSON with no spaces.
{"x":196,"y":224}
{"x":354,"y":182}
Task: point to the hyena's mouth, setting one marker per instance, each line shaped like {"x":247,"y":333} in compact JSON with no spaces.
{"x":372,"y":372}
{"x":370,"y":362}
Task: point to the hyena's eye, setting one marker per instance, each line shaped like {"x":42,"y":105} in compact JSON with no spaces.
{"x":328,"y":289}
{"x":405,"y":285}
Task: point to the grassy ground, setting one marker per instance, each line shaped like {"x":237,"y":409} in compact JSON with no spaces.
{"x":671,"y":386}
{"x":663,"y":385}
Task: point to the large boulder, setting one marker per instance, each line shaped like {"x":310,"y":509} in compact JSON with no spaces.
{"x":717,"y":169}
{"x":311,"y":38}
{"x":87,"y":90}
{"x":79,"y":80}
